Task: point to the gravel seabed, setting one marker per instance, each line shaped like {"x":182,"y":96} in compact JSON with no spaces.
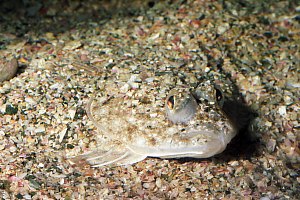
{"x":66,"y":49}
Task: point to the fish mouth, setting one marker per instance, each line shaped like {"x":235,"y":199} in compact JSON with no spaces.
{"x":199,"y":149}
{"x":203,"y":151}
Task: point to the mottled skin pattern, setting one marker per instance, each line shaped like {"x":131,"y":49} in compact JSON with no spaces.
{"x":159,"y":120}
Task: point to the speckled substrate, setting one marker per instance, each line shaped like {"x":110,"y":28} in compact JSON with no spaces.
{"x":65,"y":52}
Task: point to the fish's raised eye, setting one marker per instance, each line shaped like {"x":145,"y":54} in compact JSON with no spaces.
{"x":171,"y":102}
{"x":219,"y":95}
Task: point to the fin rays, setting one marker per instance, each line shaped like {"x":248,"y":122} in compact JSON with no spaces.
{"x":98,"y":158}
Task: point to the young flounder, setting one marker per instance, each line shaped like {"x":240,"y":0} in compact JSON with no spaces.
{"x":159,"y":122}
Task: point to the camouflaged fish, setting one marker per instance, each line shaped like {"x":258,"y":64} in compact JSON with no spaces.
{"x":158,"y":119}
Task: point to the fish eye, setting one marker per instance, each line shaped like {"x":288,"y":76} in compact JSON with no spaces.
{"x":219,"y":95}
{"x":171,"y":102}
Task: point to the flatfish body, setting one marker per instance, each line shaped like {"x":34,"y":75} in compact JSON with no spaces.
{"x":158,"y":119}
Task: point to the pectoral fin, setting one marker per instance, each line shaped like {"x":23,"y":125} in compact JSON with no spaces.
{"x":114,"y":156}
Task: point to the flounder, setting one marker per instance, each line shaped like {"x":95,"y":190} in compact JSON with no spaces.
{"x":164,"y":122}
